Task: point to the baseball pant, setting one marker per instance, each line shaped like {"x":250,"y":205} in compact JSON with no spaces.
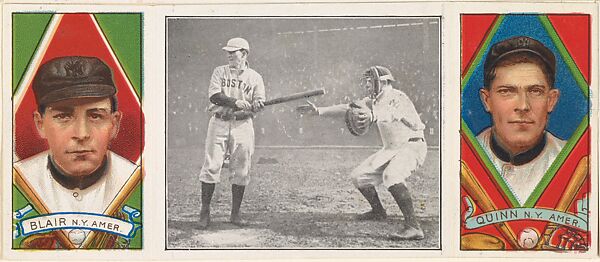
{"x":238,"y":135}
{"x":390,"y":166}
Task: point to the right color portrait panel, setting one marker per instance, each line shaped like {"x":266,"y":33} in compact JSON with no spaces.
{"x":525,"y":137}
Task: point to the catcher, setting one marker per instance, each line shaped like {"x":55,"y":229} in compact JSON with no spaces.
{"x":404,"y":148}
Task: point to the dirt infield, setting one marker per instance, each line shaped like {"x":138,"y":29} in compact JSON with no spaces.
{"x":298,"y":198}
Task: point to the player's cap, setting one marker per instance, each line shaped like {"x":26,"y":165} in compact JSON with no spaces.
{"x":518,"y":44}
{"x":72,"y":77}
{"x":379,"y":73}
{"x":235,"y":44}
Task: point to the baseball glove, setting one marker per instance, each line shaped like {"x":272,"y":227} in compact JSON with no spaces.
{"x":359,"y":118}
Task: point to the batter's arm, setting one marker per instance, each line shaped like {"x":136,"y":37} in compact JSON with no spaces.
{"x":259,"y":95}
{"x":221,"y":99}
{"x":259,"y":90}
{"x":214,"y":86}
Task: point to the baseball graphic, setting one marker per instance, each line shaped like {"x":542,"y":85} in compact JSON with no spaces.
{"x":77,"y":236}
{"x":528,"y":238}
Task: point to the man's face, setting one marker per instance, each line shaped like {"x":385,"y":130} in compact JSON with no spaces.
{"x":367,"y":84}
{"x":235,"y":58}
{"x":519,"y":100}
{"x":78,"y":132}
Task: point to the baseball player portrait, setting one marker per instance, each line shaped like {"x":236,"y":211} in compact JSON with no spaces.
{"x":525,"y":139}
{"x":519,"y":94}
{"x":404,"y":147}
{"x":236,"y":93}
{"x":77,"y":114}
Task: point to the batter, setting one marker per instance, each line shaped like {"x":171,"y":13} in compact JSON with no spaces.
{"x":230,"y":137}
{"x":404,"y":148}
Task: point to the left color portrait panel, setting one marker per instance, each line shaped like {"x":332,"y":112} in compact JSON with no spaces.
{"x":77,"y":130}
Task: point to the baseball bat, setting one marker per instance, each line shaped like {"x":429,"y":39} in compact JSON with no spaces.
{"x":121,"y":197}
{"x":288,"y":98}
{"x":239,"y":113}
{"x":39,"y":205}
{"x":470,"y":184}
{"x":571,"y":190}
{"x":295,"y":96}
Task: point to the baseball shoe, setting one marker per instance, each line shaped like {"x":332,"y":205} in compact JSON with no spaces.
{"x":408,"y":233}
{"x":204,"y":220}
{"x":238,"y":221}
{"x":372,"y":215}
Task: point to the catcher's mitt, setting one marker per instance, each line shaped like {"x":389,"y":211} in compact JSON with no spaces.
{"x":359,"y":118}
{"x":567,"y":238}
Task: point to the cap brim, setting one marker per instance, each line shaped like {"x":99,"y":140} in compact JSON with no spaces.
{"x":78,"y":91}
{"x":231,"y":48}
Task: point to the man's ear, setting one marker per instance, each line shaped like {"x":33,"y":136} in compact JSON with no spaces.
{"x":484,"y":95}
{"x":553,"y":96}
{"x":116,"y":123}
{"x":38,"y":119}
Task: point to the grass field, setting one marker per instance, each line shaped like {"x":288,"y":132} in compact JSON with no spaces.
{"x":298,"y":198}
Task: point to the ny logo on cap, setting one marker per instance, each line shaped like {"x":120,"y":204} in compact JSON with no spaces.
{"x":74,"y":68}
{"x":523,"y":42}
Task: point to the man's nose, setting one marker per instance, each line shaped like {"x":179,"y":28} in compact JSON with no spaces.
{"x":81,"y":129}
{"x":522,"y":102}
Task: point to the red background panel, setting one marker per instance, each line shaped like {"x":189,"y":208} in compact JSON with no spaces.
{"x":474,"y":29}
{"x":574,"y":31}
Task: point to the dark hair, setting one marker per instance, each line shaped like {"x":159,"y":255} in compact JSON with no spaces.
{"x":519,"y":58}
{"x":114,"y":105}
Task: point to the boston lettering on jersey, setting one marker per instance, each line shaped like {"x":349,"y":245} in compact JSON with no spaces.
{"x":236,"y":83}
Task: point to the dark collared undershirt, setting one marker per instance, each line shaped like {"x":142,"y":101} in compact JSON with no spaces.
{"x":520,"y":158}
{"x":82,"y":182}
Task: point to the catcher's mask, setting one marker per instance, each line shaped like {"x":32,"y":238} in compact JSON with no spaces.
{"x":375,"y":75}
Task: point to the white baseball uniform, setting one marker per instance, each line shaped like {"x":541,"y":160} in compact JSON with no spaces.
{"x":93,"y":199}
{"x":401,"y":130}
{"x":231,"y":135}
{"x":522,"y":172}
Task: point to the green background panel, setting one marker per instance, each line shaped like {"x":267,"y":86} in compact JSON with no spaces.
{"x":135,"y":201}
{"x":28,"y":30}
{"x":19,"y":201}
{"x":123,"y":32}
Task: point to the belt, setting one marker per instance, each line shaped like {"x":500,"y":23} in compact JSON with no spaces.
{"x":231,"y":116}
{"x":415,"y":139}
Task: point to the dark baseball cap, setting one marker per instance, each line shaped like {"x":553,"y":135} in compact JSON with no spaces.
{"x":72,"y":77}
{"x":518,"y":44}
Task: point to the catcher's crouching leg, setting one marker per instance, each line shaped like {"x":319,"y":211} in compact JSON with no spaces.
{"x":412,"y":230}
{"x":377,"y":211}
{"x":365,"y":184}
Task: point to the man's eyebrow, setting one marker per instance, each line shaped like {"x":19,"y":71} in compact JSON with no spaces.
{"x":536,"y":85}
{"x":101,"y":109}
{"x":506,"y":86}
{"x":64,"y":109}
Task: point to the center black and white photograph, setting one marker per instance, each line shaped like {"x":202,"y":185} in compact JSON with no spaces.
{"x":303,"y":132}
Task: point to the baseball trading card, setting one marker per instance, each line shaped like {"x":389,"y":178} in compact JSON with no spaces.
{"x":77,"y":130}
{"x":303,"y":132}
{"x":525,"y":132}
{"x":391,"y":130}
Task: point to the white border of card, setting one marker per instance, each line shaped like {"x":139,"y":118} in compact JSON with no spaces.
{"x":154,"y":198}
